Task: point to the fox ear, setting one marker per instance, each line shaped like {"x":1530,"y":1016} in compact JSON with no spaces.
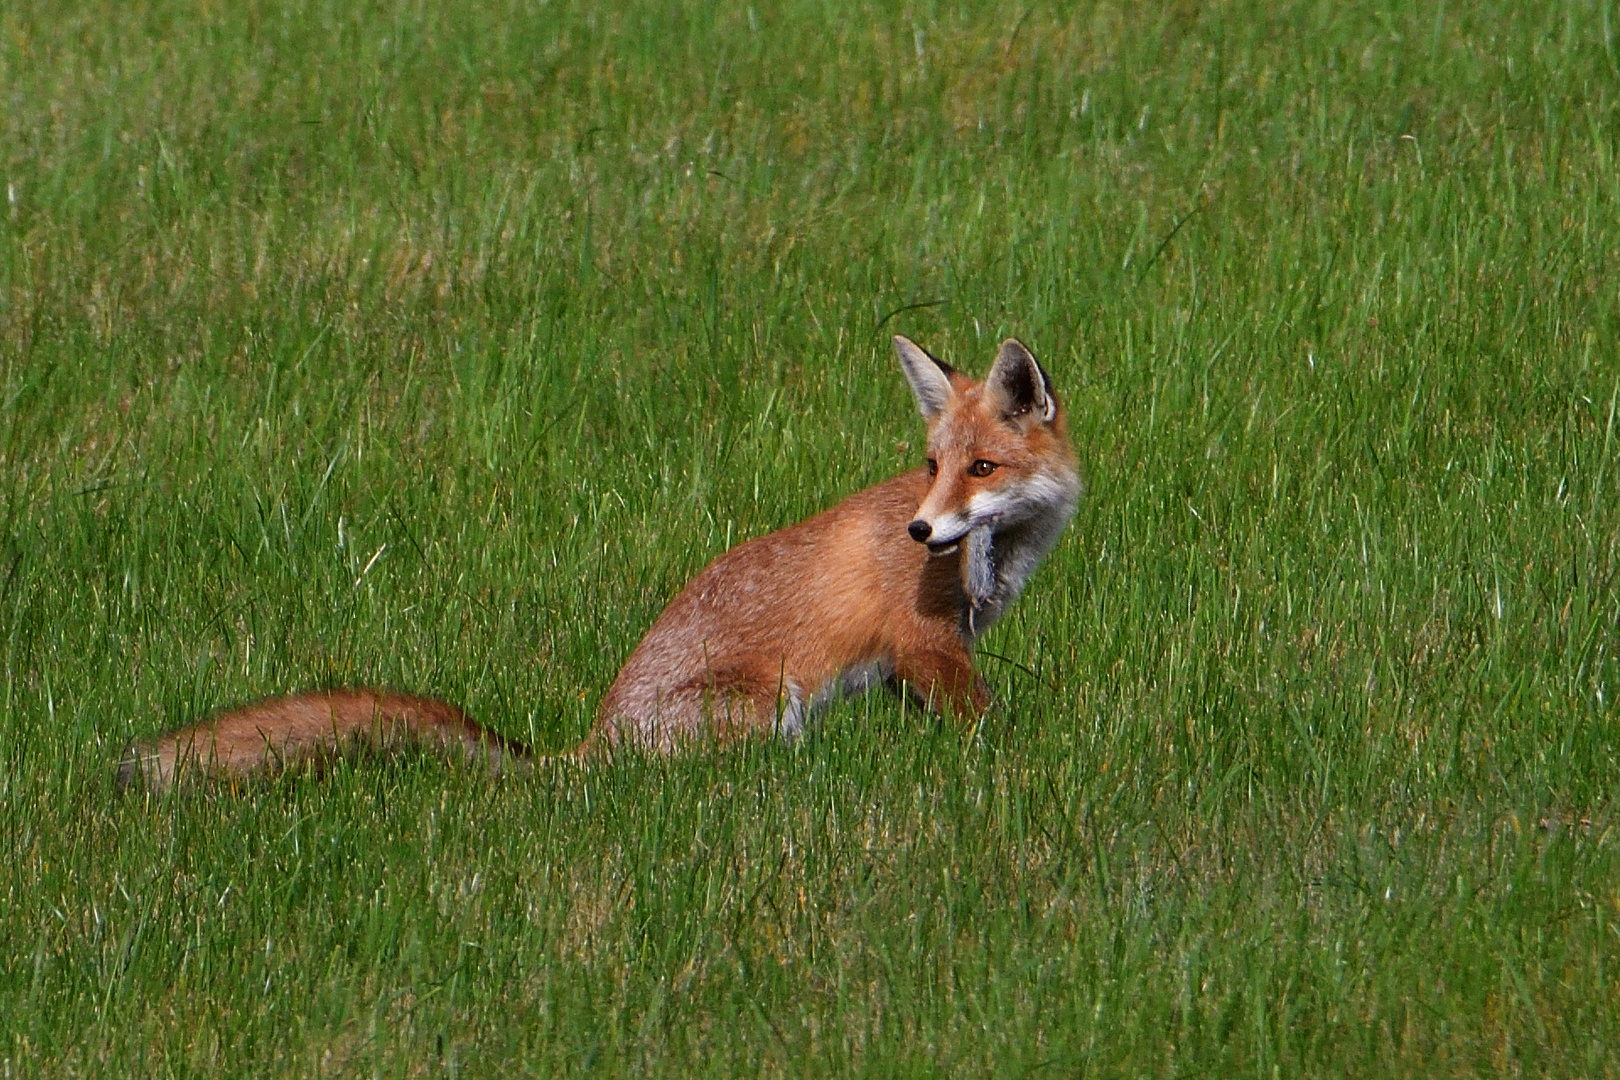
{"x":929,"y":376}
{"x":1018,"y":385}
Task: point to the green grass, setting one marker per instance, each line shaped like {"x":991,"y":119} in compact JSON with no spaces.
{"x":435,"y":346}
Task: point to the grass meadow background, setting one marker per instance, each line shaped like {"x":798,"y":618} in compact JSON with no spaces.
{"x":436,"y":345}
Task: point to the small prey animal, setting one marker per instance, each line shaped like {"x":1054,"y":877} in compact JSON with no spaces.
{"x":893,"y":585}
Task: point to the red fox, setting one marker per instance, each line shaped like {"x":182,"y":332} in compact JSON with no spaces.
{"x":892,"y":585}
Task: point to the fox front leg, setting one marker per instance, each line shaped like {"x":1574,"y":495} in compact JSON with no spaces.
{"x":945,"y":680}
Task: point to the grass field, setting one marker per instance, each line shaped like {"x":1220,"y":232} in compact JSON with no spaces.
{"x":435,"y":346}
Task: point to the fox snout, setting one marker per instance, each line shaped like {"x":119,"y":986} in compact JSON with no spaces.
{"x":939,"y":536}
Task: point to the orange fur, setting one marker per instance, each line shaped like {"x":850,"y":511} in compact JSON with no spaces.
{"x":786,"y":613}
{"x":304,"y":727}
{"x":893,"y":584}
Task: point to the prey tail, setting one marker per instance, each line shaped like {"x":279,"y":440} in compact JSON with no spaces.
{"x":310,"y":728}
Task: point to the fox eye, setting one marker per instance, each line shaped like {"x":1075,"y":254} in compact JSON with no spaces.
{"x":982,"y":468}
{"x":933,"y":467}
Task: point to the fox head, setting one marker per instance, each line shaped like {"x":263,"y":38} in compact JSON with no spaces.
{"x":998,"y":455}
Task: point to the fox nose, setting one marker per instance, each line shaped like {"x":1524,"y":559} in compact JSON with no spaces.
{"x":920,"y":530}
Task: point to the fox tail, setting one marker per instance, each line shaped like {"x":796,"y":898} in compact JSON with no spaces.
{"x":311,"y":728}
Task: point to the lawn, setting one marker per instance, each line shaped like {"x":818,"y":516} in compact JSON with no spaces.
{"x":435,"y":346}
